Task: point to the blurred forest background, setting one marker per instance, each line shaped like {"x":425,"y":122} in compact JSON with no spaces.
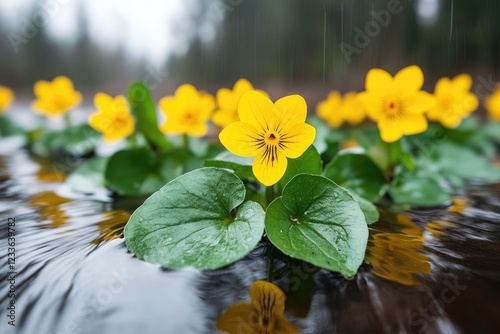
{"x":283,"y":46}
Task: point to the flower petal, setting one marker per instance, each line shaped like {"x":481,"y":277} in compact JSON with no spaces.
{"x":256,"y":109}
{"x":267,"y":296}
{"x":103,"y":101}
{"x":197,"y":130}
{"x":372,"y":104}
{"x":237,"y":317}
{"x":41,"y":88}
{"x":443,"y":86}
{"x":62,"y":83}
{"x":292,"y":109}
{"x":392,"y":128}
{"x":409,"y":80}
{"x":225,"y":99}
{"x":242,"y":86}
{"x":378,"y":82}
{"x":296,"y":138}
{"x":241,"y":139}
{"x":269,"y":165}
{"x":419,"y":102}
{"x":462,"y":82}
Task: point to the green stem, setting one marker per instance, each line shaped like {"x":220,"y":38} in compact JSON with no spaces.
{"x":132,"y":140}
{"x":269,"y":194}
{"x":67,"y":120}
{"x":185,"y":141}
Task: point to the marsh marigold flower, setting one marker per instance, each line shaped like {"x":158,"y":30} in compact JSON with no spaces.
{"x":272,"y":132}
{"x":264,"y":314}
{"x":492,"y":105}
{"x":56,"y":97}
{"x":396,"y":103}
{"x":6,"y":99}
{"x":454,"y":101}
{"x":113,"y":118}
{"x":187,"y":112}
{"x":336,"y":110}
{"x":227,"y":103}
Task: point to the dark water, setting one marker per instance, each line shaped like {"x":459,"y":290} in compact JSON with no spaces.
{"x":426,"y":271}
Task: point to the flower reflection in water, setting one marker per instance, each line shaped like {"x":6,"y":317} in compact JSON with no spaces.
{"x":263,"y":315}
{"x":111,"y":226}
{"x":398,"y":256}
{"x":48,"y":205}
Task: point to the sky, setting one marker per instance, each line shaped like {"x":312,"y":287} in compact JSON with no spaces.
{"x":148,"y":29}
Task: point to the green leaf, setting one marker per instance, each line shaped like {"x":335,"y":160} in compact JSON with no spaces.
{"x":89,"y":176}
{"x":417,"y":190}
{"x":144,"y":110}
{"x":459,"y":161}
{"x":9,"y":128}
{"x":131,"y":172}
{"x":309,"y":163}
{"x":319,"y":222}
{"x":78,"y":140}
{"x":492,"y":131}
{"x":197,"y":220}
{"x":239,"y":165}
{"x":369,"y":209}
{"x":177,"y":161}
{"x":355,"y":170}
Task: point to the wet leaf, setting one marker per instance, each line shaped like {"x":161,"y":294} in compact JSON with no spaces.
{"x":319,"y":222}
{"x":239,"y":165}
{"x":355,"y":170}
{"x":309,"y":163}
{"x":197,"y":220}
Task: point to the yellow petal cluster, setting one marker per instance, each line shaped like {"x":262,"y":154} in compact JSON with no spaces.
{"x":227,"y":103}
{"x":272,"y":132}
{"x":56,"y":97}
{"x":6,"y":98}
{"x":336,"y":110}
{"x":397,"y":104}
{"x":264,"y":314}
{"x":112,"y":118}
{"x":454,"y":101}
{"x":187,"y":112}
{"x":492,"y":105}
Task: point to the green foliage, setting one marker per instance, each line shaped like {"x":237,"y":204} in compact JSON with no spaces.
{"x":197,"y":220}
{"x":319,"y":222}
{"x":89,"y":176}
{"x":144,"y":109}
{"x":356,"y":171}
{"x":309,"y":162}
{"x":239,"y":165}
{"x":79,"y":140}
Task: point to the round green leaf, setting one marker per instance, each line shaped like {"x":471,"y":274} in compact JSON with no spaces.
{"x":240,"y":165}
{"x":369,"y":210}
{"x":196,"y":220}
{"x":129,"y":172}
{"x":319,"y":222}
{"x":355,"y":170}
{"x":309,"y":163}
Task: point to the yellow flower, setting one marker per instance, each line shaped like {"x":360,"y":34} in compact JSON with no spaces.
{"x":113,"y":118}
{"x":454,"y":101}
{"x":56,"y":97}
{"x":397,"y":103}
{"x":492,"y":104}
{"x":336,"y":110}
{"x":187,"y":112}
{"x":6,"y":98}
{"x":227,"y":102}
{"x":264,"y":314}
{"x":270,"y":132}
{"x":398,"y":256}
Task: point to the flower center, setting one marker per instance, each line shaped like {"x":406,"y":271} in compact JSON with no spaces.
{"x":447,"y":102}
{"x":392,"y":106}
{"x":272,"y":139}
{"x":59,"y":102}
{"x":190,"y":117}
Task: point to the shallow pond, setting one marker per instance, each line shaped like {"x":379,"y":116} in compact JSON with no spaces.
{"x":426,"y":271}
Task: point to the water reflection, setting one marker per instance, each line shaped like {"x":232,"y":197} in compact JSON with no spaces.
{"x":399,"y":256}
{"x":263,"y":315}
{"x":75,"y":274}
